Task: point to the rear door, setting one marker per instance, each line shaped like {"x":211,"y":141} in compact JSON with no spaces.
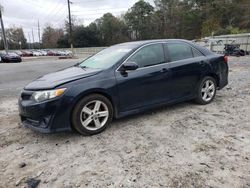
{"x":149,"y":83}
{"x":186,"y":64}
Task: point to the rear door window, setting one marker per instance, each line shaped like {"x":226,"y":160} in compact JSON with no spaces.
{"x":197,"y":53}
{"x":179,"y":51}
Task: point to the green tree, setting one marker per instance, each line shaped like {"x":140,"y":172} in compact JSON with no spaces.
{"x":15,"y":38}
{"x":224,"y":16}
{"x":112,"y":29}
{"x":139,"y":20}
{"x":210,"y":26}
{"x":169,"y":11}
{"x":63,"y":41}
{"x":188,"y":19}
{"x":84,"y":37}
{"x":51,"y":36}
{"x":94,"y":29}
{"x":198,"y":18}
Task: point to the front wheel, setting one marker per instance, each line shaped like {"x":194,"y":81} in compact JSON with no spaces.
{"x":92,"y":114}
{"x":206,"y":90}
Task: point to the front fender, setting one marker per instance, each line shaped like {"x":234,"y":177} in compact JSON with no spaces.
{"x":84,"y":87}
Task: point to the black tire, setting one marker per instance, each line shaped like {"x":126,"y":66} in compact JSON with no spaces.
{"x":242,"y":53}
{"x":200,"y":99}
{"x":76,"y":115}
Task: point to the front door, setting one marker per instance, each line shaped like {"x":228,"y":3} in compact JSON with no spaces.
{"x":149,"y":83}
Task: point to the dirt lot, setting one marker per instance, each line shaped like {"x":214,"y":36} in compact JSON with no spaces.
{"x":184,"y":145}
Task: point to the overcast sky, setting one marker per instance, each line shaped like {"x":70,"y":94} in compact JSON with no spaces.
{"x":26,"y":13}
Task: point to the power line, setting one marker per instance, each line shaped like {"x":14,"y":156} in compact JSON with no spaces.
{"x":51,"y":12}
{"x":29,"y":39}
{"x":59,"y":10}
{"x":113,"y":12}
{"x":61,"y":17}
{"x":33,"y":41}
{"x":32,"y":3}
{"x":104,"y":9}
{"x":93,"y":1}
{"x":39,"y":37}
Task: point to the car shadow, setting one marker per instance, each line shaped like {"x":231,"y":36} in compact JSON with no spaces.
{"x":163,"y":109}
{"x":117,"y":124}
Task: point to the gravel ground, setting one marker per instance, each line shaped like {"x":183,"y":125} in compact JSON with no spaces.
{"x":184,"y":145}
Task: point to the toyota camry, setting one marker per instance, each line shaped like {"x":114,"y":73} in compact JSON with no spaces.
{"x":121,"y":80}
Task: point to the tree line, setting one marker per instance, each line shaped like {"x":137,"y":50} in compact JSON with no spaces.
{"x":187,"y":19}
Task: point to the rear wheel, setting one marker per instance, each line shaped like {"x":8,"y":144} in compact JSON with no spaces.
{"x":206,"y":90}
{"x":92,"y":114}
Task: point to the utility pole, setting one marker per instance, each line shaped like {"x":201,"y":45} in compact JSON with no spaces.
{"x":29,"y":39}
{"x":39,"y":35}
{"x":3,"y":33}
{"x":20,"y":43}
{"x":70,"y":27}
{"x":32,"y":39}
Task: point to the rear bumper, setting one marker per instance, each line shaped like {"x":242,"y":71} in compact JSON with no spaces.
{"x":223,"y":76}
{"x":223,"y":83}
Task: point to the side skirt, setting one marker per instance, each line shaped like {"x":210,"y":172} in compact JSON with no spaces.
{"x":150,"y":107}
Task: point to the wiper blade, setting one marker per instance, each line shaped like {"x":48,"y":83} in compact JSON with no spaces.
{"x":77,"y":64}
{"x":83,"y":67}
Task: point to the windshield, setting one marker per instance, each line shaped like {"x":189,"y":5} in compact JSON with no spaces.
{"x":13,"y":54}
{"x":107,"y":57}
{"x":10,"y":53}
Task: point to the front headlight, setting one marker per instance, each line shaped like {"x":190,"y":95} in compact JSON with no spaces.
{"x":40,"y":96}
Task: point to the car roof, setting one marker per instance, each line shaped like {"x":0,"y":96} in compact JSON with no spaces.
{"x":143,"y":42}
{"x":136,"y":44}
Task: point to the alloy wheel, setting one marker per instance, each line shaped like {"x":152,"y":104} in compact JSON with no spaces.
{"x":94,"y":115}
{"x":208,"y":90}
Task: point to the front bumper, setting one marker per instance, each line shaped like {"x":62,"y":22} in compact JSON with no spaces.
{"x":46,"y":117}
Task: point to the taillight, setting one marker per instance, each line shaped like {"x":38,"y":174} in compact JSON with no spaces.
{"x":226,"y":59}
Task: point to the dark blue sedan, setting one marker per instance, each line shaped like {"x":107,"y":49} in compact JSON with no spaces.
{"x":10,"y":58}
{"x":121,"y":80}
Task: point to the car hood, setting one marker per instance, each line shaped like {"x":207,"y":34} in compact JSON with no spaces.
{"x":50,"y":81}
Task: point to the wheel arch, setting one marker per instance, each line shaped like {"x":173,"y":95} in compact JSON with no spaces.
{"x":215,"y":76}
{"x":91,"y":92}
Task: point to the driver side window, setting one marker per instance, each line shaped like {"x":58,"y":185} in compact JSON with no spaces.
{"x":149,"y":55}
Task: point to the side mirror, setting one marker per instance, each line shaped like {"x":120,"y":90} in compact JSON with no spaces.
{"x":129,"y":65}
